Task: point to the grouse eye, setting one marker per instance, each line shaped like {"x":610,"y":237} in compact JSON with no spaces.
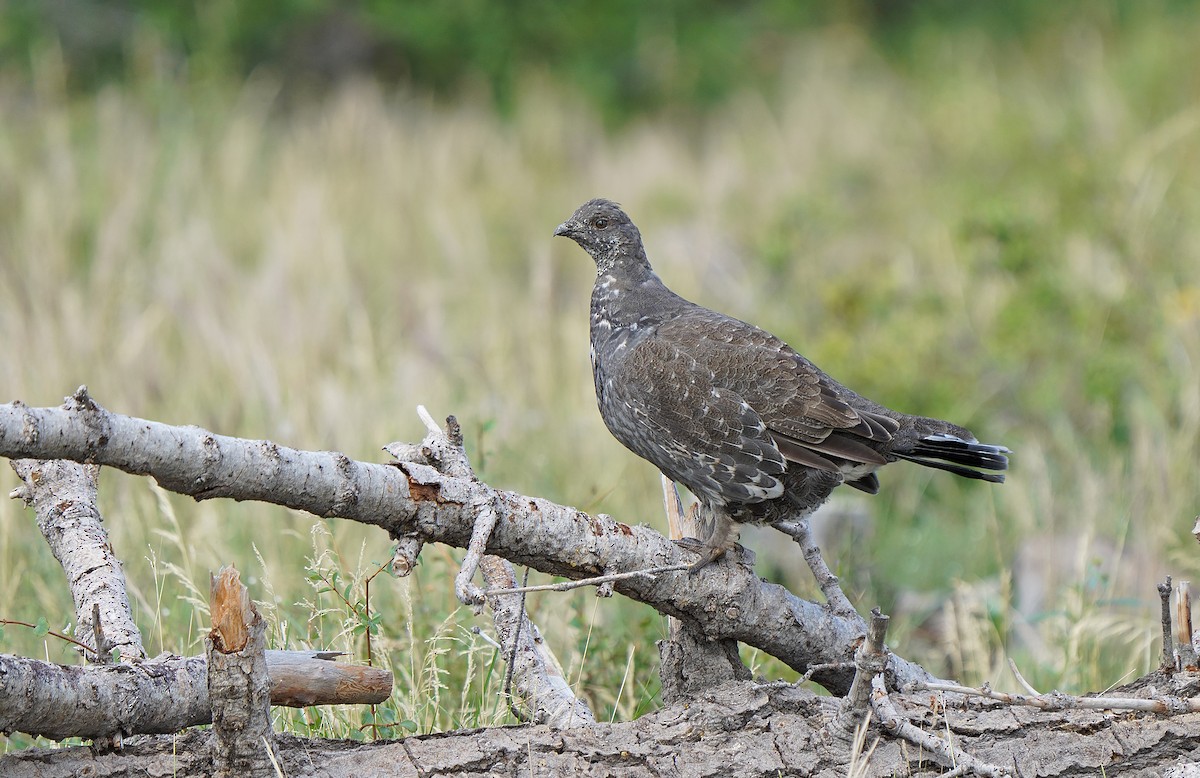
{"x":600,"y":222}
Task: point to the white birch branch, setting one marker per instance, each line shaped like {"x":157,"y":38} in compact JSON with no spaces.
{"x":722,"y":601}
{"x":63,"y":497}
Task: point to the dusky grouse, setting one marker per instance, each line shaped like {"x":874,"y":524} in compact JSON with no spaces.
{"x":756,"y":431}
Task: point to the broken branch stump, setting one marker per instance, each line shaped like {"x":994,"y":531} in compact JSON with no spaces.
{"x":238,"y":685}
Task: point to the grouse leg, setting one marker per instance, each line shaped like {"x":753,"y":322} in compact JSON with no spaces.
{"x":722,"y":537}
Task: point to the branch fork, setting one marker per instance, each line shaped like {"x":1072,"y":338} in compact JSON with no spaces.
{"x":530,"y":663}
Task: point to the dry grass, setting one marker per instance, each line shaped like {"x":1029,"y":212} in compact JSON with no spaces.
{"x":1010,"y":242}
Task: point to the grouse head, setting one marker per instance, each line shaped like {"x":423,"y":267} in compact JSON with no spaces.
{"x":603,"y":230}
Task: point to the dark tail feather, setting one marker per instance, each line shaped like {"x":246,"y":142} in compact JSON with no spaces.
{"x":958,"y":456}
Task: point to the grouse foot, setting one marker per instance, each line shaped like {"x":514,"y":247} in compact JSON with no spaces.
{"x":708,"y":555}
{"x":722,"y":537}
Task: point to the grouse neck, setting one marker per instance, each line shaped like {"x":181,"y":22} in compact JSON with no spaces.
{"x":621,"y":257}
{"x":632,"y":301}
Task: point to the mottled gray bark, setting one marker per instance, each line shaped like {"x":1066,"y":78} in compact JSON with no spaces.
{"x":736,"y":729}
{"x":63,"y":497}
{"x":724,"y":601}
{"x":690,"y":663}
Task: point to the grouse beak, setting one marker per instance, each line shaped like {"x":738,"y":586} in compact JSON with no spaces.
{"x":565,"y":230}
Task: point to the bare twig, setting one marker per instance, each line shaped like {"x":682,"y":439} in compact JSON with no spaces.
{"x":512,"y":657}
{"x":1168,"y":650}
{"x":801,"y":532}
{"x":483,"y":506}
{"x":1164,"y":704}
{"x":1021,"y":679}
{"x":565,"y":586}
{"x":821,"y":668}
{"x":486,"y":638}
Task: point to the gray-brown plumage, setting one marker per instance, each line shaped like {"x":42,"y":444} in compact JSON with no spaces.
{"x":756,"y":431}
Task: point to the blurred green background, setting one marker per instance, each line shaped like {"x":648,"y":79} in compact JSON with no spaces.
{"x":298,"y":220}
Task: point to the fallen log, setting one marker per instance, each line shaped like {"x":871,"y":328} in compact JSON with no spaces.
{"x":163,"y":695}
{"x":740,"y":728}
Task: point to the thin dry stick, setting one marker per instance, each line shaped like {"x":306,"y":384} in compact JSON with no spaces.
{"x":801,"y":532}
{"x":600,"y":579}
{"x":819,"y":668}
{"x":1021,"y":679}
{"x":1168,"y":649}
{"x":512,"y":657}
{"x":1164,"y":704}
